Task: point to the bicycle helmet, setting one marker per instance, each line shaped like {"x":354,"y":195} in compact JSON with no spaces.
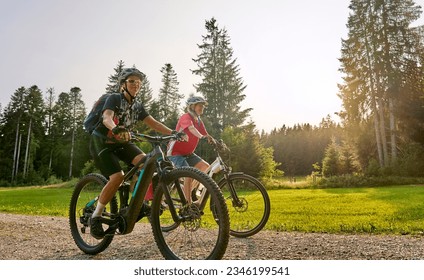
{"x":195,"y":100}
{"x":126,"y":72}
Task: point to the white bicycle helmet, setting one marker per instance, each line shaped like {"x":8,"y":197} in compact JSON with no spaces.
{"x":195,"y":100}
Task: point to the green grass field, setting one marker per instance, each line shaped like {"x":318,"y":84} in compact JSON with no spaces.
{"x":396,"y":209}
{"x":382,"y":210}
{"x":44,"y":201}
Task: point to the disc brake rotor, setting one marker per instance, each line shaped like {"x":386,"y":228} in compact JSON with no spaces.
{"x":192,"y":216}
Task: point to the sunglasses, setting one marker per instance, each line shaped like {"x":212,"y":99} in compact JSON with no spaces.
{"x":133,"y":81}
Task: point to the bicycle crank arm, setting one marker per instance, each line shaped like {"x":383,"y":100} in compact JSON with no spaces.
{"x":112,"y":223}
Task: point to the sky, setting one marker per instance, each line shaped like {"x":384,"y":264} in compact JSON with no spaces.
{"x":287,"y":51}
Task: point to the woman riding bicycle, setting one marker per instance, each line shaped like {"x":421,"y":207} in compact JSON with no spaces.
{"x":246,"y":197}
{"x":182,"y":153}
{"x":110,"y":140}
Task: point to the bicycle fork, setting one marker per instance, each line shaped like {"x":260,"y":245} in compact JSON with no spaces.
{"x":236,"y":201}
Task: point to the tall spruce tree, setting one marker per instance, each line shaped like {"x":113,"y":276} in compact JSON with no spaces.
{"x":33,"y":117}
{"x":410,"y":106}
{"x":145,"y":95}
{"x":221,"y":83}
{"x":77,"y":118}
{"x":50,"y":100}
{"x":169,"y":97}
{"x":62,"y":131}
{"x":12,"y":128}
{"x":379,"y":46}
{"x":113,"y":85}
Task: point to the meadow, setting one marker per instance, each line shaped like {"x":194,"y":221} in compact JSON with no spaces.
{"x":377,"y":210}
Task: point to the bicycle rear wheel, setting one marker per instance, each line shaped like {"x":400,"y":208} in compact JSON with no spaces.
{"x":83,"y":203}
{"x":200,"y":234}
{"x":250,"y":213}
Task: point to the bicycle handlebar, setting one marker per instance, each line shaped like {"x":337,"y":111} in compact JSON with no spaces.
{"x":219,"y":144}
{"x":154,"y":139}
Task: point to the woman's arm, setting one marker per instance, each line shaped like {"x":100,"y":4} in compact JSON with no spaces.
{"x":195,"y":132}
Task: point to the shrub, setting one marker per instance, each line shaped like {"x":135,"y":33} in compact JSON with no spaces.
{"x":53,"y":180}
{"x":411,"y":161}
{"x":89,"y":167}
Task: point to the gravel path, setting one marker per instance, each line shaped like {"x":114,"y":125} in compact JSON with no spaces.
{"x":48,"y":238}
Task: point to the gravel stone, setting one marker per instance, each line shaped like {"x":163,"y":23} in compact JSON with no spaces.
{"x":49,"y":238}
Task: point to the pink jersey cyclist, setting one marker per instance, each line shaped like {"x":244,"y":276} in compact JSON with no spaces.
{"x":182,"y":153}
{"x":186,"y":148}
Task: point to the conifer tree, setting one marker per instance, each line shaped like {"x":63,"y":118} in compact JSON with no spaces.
{"x":62,"y":131}
{"x":11,"y":128}
{"x":331,"y":163}
{"x":221,"y":84}
{"x":34,"y":116}
{"x":77,"y":114}
{"x":113,"y":85}
{"x":145,"y":95}
{"x":169,"y":97}
{"x":379,"y":47}
{"x":50,"y":99}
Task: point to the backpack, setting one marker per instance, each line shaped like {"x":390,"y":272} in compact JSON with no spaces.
{"x":93,"y":118}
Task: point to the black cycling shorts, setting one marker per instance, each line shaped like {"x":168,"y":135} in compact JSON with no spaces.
{"x":106,"y":156}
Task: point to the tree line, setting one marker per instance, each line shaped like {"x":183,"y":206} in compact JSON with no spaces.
{"x":42,"y":136}
{"x":382,"y":94}
{"x":382,"y":114}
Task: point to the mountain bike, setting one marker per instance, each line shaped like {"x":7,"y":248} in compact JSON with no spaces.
{"x":247,"y":200}
{"x":198,"y":234}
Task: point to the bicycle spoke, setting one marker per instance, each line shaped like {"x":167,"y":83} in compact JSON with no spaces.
{"x":83,"y":203}
{"x":199,"y":235}
{"x":250,"y":211}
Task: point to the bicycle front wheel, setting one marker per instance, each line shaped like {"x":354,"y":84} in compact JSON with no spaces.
{"x":83,"y":203}
{"x":250,"y":208}
{"x":197,"y":234}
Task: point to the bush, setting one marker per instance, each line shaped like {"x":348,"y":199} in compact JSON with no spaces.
{"x":411,"y":162}
{"x":71,"y":183}
{"x":34,"y":178}
{"x":52,"y":180}
{"x":89,"y":167}
{"x":5,"y":183}
{"x":373,"y":168}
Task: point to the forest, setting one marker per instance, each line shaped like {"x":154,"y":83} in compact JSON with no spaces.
{"x":380,"y":132}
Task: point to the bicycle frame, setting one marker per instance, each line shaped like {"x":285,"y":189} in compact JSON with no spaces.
{"x":176,"y":225}
{"x":130,"y":211}
{"x":140,"y":188}
{"x":153,"y":163}
{"x":217,"y":166}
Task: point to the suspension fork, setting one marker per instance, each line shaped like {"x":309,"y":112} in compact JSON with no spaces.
{"x":235,"y":199}
{"x":175,"y":216}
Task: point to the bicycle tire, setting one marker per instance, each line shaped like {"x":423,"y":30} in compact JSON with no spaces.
{"x":85,"y":191}
{"x":205,"y":236}
{"x":250,"y":217}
